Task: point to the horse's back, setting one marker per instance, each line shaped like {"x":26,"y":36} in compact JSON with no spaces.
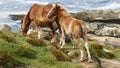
{"x":39,"y":11}
{"x":38,"y":7}
{"x":35,"y":10}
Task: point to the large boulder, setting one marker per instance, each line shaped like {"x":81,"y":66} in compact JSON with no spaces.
{"x":101,"y":22}
{"x":104,"y":29}
{"x":108,"y":31}
{"x":16,"y":17}
{"x":5,"y":27}
{"x":112,"y":41}
{"x":92,"y":15}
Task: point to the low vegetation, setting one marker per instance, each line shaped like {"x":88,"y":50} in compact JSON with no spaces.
{"x":19,"y":51}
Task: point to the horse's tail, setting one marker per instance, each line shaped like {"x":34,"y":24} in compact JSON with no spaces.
{"x":87,"y":26}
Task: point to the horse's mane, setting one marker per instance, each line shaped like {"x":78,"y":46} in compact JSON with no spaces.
{"x":62,"y":8}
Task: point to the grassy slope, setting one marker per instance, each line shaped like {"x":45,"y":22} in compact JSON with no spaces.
{"x":25,"y":54}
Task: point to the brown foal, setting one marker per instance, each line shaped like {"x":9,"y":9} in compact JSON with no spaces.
{"x":73,"y":27}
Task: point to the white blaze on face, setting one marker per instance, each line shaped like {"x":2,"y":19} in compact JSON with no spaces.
{"x":53,"y":6}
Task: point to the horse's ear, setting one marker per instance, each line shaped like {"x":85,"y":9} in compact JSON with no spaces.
{"x":56,"y":4}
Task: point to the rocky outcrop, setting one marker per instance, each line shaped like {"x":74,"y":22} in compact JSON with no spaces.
{"x":108,"y":31}
{"x":101,"y":22}
{"x":113,"y":42}
{"x":91,"y":15}
{"x":110,"y":63}
{"x":98,"y":15}
{"x":101,"y":29}
{"x":104,"y":29}
{"x":16,"y":17}
{"x":5,"y":27}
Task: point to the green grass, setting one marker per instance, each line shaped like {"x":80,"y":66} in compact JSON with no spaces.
{"x":115,"y":51}
{"x":26,"y":54}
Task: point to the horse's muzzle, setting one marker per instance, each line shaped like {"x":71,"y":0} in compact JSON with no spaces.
{"x":49,"y":16}
{"x":24,"y":34}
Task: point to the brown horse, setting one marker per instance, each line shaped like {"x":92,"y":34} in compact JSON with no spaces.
{"x":38,"y":15}
{"x":73,"y":27}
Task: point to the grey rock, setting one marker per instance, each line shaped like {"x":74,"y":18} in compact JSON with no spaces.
{"x":101,"y":22}
{"x":16,"y":17}
{"x":100,"y":15}
{"x":112,"y":41}
{"x":5,"y":27}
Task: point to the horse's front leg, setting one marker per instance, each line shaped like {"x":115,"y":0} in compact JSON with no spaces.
{"x":62,"y":38}
{"x":73,"y":42}
{"x":53,"y":33}
{"x":62,"y":41}
{"x":39,"y":32}
{"x":29,"y":32}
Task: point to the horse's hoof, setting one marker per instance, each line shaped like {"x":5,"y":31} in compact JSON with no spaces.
{"x":81,"y":60}
{"x":53,"y":42}
{"x":61,"y":47}
{"x":61,"y":43}
{"x":90,"y":61}
{"x":74,"y":46}
{"x":40,"y":40}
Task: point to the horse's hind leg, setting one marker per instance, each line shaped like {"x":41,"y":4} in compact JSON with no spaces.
{"x":77,"y":41}
{"x":87,"y":48}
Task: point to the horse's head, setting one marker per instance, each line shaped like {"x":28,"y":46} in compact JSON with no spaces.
{"x":53,"y":11}
{"x":24,"y":29}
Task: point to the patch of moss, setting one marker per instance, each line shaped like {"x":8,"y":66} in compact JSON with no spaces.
{"x":59,"y":54}
{"x":5,"y":58}
{"x":7,"y":38}
{"x":35,"y":42}
{"x":26,"y":52}
{"x":97,"y":50}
